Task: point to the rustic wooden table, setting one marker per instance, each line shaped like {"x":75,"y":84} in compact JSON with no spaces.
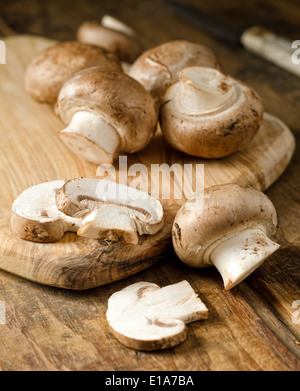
{"x":252,"y":327}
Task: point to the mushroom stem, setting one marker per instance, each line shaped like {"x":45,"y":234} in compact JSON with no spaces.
{"x":237,"y":256}
{"x":110,"y":223}
{"x":204,"y":90}
{"x":115,"y":24}
{"x":99,"y":139}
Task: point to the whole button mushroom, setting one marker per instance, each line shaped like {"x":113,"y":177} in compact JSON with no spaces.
{"x":113,"y":35}
{"x":158,"y":68}
{"x":230,"y":230}
{"x":107,"y":111}
{"x":208,"y":114}
{"x":48,"y":71}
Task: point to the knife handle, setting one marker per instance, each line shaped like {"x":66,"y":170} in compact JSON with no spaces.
{"x":271,"y":47}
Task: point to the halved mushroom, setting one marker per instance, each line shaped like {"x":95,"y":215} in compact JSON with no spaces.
{"x":107,"y":111}
{"x":158,"y":68}
{"x":144,"y":316}
{"x":231,"y":231}
{"x":35,"y":216}
{"x":110,"y":210}
{"x":208,"y":114}
{"x":113,"y":35}
{"x":47,"y":72}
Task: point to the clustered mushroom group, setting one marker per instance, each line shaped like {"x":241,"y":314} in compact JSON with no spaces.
{"x":111,"y":95}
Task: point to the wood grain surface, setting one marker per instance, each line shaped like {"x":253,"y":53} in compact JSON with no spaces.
{"x":79,"y":263}
{"x":251,"y":327}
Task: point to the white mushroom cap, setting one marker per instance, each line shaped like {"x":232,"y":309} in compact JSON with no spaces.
{"x":111,"y":211}
{"x":231,"y":231}
{"x":113,"y":35}
{"x":35,"y":216}
{"x":107,"y":111}
{"x":158,"y":68}
{"x":51,"y":68}
{"x":144,"y":316}
{"x":208,"y":114}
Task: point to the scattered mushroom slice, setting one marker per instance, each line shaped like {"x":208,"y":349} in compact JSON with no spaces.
{"x":35,"y":216}
{"x":231,"y":231}
{"x":208,"y":114}
{"x":110,"y":210}
{"x":107,"y":111}
{"x":113,"y":35}
{"x":158,"y":68}
{"x":144,"y":316}
{"x":48,"y":71}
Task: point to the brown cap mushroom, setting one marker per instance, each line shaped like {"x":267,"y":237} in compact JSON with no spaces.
{"x":107,"y":111}
{"x":158,"y":68}
{"x":110,"y":210}
{"x":231,"y":231}
{"x":47,"y":72}
{"x":144,"y":316}
{"x":208,"y":114}
{"x":113,"y":35}
{"x":35,"y":216}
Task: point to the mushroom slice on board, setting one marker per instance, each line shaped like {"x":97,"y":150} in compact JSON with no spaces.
{"x":51,"y":68}
{"x":158,"y":68}
{"x":106,"y":111}
{"x":110,"y":210}
{"x":144,"y":316}
{"x":208,"y":114}
{"x":231,"y":231}
{"x":113,"y":35}
{"x":35,"y":216}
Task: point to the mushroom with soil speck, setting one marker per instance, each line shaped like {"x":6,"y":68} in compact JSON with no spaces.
{"x":231,"y":231}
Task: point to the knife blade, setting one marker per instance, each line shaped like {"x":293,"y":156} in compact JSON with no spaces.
{"x":255,"y":39}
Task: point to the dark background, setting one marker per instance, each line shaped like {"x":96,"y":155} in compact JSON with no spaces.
{"x":60,"y":19}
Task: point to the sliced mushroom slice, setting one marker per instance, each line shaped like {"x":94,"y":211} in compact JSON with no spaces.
{"x":231,"y":231}
{"x":113,"y":35}
{"x":209,"y":114}
{"x":110,"y":222}
{"x":110,"y":210}
{"x":106,"y":112}
{"x":51,"y":68}
{"x":35,"y":216}
{"x":144,"y":316}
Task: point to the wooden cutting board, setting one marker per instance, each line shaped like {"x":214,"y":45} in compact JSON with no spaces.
{"x":31,"y":152}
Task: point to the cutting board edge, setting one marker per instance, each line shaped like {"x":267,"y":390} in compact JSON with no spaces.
{"x":37,"y":40}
